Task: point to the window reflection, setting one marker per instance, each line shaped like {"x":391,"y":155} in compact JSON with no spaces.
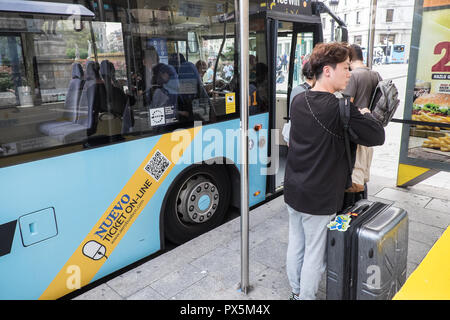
{"x":143,"y":70}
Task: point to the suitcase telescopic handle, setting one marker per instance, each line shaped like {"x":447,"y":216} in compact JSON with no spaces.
{"x":361,"y":209}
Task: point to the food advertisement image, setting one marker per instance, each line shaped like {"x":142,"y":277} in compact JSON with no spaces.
{"x":431,"y":101}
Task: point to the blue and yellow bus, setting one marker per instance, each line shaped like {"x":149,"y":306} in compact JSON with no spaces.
{"x":398,"y":54}
{"x":119,"y":128}
{"x":394,"y":53}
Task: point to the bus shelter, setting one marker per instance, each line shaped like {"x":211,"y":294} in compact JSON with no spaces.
{"x":425,"y":141}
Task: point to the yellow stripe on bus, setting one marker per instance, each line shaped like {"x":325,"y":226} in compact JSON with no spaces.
{"x":93,"y":251}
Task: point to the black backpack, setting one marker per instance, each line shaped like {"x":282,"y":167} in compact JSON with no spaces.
{"x":349,"y":198}
{"x":384,"y":101}
{"x":344,"y":111}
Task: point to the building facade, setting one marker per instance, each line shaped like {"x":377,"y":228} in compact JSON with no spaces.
{"x":393,"y":21}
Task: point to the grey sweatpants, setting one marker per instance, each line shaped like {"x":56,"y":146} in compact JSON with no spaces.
{"x":305,"y":261}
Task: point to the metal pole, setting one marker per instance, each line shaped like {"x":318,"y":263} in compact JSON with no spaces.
{"x":101,"y":10}
{"x":373,"y":17}
{"x":244,"y":94}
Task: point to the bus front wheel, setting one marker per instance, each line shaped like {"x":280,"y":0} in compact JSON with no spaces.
{"x":198,"y":203}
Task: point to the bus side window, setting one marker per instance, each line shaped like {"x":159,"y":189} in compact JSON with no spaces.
{"x":13,"y":82}
{"x":259,"y":99}
{"x":72,"y":103}
{"x":193,"y":100}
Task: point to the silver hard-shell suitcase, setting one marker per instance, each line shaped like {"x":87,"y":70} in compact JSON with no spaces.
{"x":368,"y":261}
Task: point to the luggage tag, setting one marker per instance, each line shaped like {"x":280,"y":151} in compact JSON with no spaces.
{"x":340,"y":223}
{"x":353,"y":214}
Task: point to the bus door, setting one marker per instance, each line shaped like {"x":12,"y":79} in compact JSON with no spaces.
{"x":292,"y":46}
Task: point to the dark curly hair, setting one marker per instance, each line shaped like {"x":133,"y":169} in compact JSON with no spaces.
{"x":307,"y":72}
{"x":328,"y":54}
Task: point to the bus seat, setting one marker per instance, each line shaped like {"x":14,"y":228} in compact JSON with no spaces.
{"x":164,"y":86}
{"x":193,"y":97}
{"x":116,"y":99}
{"x":72,"y":101}
{"x":92,"y":100}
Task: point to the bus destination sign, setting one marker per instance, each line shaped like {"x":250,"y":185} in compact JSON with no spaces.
{"x":289,"y":6}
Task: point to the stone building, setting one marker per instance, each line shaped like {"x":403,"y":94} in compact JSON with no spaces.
{"x":393,"y":21}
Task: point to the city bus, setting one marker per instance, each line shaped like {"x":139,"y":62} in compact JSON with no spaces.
{"x":394,"y":53}
{"x":119,"y":129}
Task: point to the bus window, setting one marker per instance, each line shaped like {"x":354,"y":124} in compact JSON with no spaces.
{"x":284,"y":41}
{"x":173,"y":78}
{"x":44,"y":72}
{"x":13,"y":89}
{"x":42,"y":108}
{"x":303,"y":50}
{"x":217,"y":51}
{"x":113,"y":73}
{"x":399,"y":48}
{"x":259,"y":69}
{"x":192,"y":42}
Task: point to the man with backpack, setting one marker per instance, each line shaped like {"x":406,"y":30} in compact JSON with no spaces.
{"x":317,"y":171}
{"x":360,"y":88}
{"x":308,"y":76}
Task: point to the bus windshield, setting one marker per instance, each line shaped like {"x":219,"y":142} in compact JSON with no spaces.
{"x":399,"y":48}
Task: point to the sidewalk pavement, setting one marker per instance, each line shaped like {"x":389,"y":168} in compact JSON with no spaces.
{"x":209,"y":266}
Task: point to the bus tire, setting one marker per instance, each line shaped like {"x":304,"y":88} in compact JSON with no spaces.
{"x":197,"y":203}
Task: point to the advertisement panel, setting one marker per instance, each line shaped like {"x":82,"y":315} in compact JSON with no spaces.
{"x":425,"y":144}
{"x":431,"y":95}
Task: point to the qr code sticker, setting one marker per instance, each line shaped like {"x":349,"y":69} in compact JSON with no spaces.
{"x":157,"y":165}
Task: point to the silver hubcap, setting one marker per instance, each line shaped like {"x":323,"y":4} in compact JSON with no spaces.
{"x":197,"y":200}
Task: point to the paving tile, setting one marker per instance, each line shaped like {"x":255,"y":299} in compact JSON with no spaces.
{"x":431,"y":191}
{"x":271,"y":253}
{"x":231,"y":227}
{"x":207,"y":288}
{"x":235,"y":243}
{"x":271,"y":228}
{"x":424,"y":233}
{"x":202,"y":245}
{"x":261,"y":214}
{"x":373,"y":198}
{"x":376,"y":184}
{"x":278,"y":205}
{"x":439,"y":205}
{"x":417,"y":251}
{"x":404,"y":197}
{"x":410,"y":268}
{"x":263,"y":293}
{"x":274,"y":279}
{"x":178,"y":280}
{"x":225,"y":265}
{"x":425,"y":216}
{"x":136,"y":279}
{"x":440,"y":180}
{"x":148,"y":293}
{"x":101,"y":292}
{"x":384,"y":168}
{"x":233,"y":293}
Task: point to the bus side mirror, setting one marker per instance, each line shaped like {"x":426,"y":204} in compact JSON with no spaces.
{"x":340,"y":34}
{"x":77,"y":23}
